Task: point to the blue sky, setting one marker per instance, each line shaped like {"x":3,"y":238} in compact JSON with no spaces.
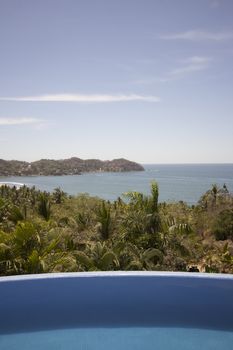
{"x":151,"y":81}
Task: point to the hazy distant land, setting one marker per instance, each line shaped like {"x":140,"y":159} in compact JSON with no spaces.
{"x":71,"y":166}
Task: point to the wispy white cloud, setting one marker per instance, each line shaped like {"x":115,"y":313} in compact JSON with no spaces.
{"x":186,"y":66}
{"x":148,"y":81}
{"x":197,"y":60}
{"x":80,"y":98}
{"x":198,"y":35}
{"x":192,"y":64}
{"x":19,"y":121}
{"x":187,"y":69}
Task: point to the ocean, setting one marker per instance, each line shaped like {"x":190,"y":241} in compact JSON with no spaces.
{"x":176,"y":181}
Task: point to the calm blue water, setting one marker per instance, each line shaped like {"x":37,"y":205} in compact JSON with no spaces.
{"x":176,"y":182}
{"x":120,"y":339}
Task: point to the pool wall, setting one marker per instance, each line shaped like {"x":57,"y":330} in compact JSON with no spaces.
{"x":49,"y":301}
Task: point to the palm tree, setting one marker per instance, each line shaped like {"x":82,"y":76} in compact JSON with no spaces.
{"x":97,"y":257}
{"x":25,"y":239}
{"x":16,"y":214}
{"x":141,"y":215}
{"x":143,"y":259}
{"x":44,"y":206}
{"x":58,"y":195}
{"x":104,"y":219}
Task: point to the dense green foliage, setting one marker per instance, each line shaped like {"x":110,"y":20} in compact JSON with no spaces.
{"x":223,"y":225}
{"x":52,"y":232}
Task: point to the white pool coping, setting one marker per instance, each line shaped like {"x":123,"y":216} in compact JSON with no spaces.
{"x":194,"y":275}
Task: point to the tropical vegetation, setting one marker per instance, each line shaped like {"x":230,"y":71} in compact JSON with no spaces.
{"x":53,"y":232}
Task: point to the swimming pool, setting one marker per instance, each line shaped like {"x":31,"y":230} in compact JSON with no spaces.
{"x":116,"y":310}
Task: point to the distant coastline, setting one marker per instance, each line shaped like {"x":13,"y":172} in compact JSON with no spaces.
{"x":71,"y":166}
{"x":177,"y":182}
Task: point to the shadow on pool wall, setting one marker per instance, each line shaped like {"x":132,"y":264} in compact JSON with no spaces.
{"x":107,"y":299}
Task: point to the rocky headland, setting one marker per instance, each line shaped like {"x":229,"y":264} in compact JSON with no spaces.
{"x":71,"y":166}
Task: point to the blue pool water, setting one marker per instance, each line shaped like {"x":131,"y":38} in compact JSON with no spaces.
{"x":120,"y":339}
{"x":116,"y":310}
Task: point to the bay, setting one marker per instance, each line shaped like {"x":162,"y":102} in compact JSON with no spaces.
{"x":186,"y":182}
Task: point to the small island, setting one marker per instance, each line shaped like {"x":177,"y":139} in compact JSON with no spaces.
{"x":71,"y":166}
